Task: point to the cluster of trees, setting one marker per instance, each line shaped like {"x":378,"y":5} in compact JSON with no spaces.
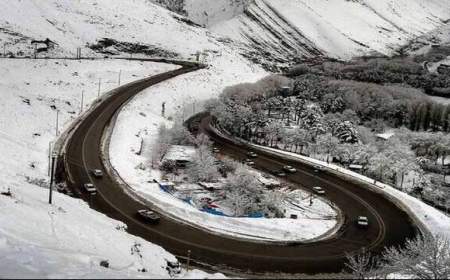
{"x":425,"y":257}
{"x":400,"y":70}
{"x":243,"y":193}
{"x":395,"y":105}
{"x":338,"y":118}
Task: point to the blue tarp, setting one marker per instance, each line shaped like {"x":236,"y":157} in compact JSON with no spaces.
{"x":213,"y":211}
{"x":256,"y":215}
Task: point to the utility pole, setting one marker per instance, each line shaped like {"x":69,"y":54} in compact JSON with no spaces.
{"x":49,"y":157}
{"x":35,"y":50}
{"x":120,"y":74}
{"x":78,"y":53}
{"x":99,"y":86}
{"x":82,"y":101}
{"x":183,"y":110}
{"x":57,"y":122}
{"x":188,"y":260}
{"x":52,"y":175}
{"x":163,"y":109}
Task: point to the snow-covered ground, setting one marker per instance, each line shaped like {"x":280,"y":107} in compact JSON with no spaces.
{"x":32,"y":93}
{"x":30,"y":89}
{"x":141,"y":118}
{"x":73,"y":24}
{"x":67,"y":239}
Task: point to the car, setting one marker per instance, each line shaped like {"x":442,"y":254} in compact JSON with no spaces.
{"x":90,"y":188}
{"x":248,"y":162}
{"x":216,"y":150}
{"x":289,"y":169}
{"x":252,"y":155}
{"x":149,"y":215}
{"x":319,"y":190}
{"x":97,"y":173}
{"x":362,"y":221}
{"x":318,"y":168}
{"x":279,"y":173}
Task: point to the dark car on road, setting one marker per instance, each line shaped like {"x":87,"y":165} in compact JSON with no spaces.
{"x":252,"y":155}
{"x":278,"y":173}
{"x":149,"y":216}
{"x":248,"y":162}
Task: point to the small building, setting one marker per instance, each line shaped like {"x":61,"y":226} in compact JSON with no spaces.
{"x":285,"y":91}
{"x":269,"y":182}
{"x":43,"y":45}
{"x":180,"y":155}
{"x":167,"y":186}
{"x":385,"y":136}
{"x":443,"y":69}
{"x":355,"y":167}
{"x":211,"y":186}
{"x":447,"y":180}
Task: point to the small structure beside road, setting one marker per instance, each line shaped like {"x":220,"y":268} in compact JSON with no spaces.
{"x":180,"y":155}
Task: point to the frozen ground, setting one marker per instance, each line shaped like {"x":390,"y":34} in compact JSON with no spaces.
{"x":66,"y":239}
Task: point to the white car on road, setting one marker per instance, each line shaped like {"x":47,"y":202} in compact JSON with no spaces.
{"x":97,"y":173}
{"x":363,"y":221}
{"x":319,"y":190}
{"x":289,"y":169}
{"x":90,"y":188}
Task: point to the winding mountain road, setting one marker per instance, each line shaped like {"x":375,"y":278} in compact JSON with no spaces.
{"x":389,"y":224}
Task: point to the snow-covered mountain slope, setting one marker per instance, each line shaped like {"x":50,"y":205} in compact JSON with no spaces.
{"x":73,"y":24}
{"x":337,"y":28}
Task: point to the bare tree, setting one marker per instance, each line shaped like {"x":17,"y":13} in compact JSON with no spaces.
{"x":362,"y":265}
{"x":425,"y":257}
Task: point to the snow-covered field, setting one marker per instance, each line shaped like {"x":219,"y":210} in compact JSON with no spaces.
{"x":73,"y":24}
{"x":66,"y":239}
{"x":32,"y":93}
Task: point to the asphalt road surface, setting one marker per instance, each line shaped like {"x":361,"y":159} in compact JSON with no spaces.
{"x":388,"y":224}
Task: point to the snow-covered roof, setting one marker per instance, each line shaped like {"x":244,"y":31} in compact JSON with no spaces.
{"x":180,"y":153}
{"x":268,"y":181}
{"x":446,"y":160}
{"x":355,"y":166}
{"x":447,"y":180}
{"x":212,"y":186}
{"x":385,"y":136}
